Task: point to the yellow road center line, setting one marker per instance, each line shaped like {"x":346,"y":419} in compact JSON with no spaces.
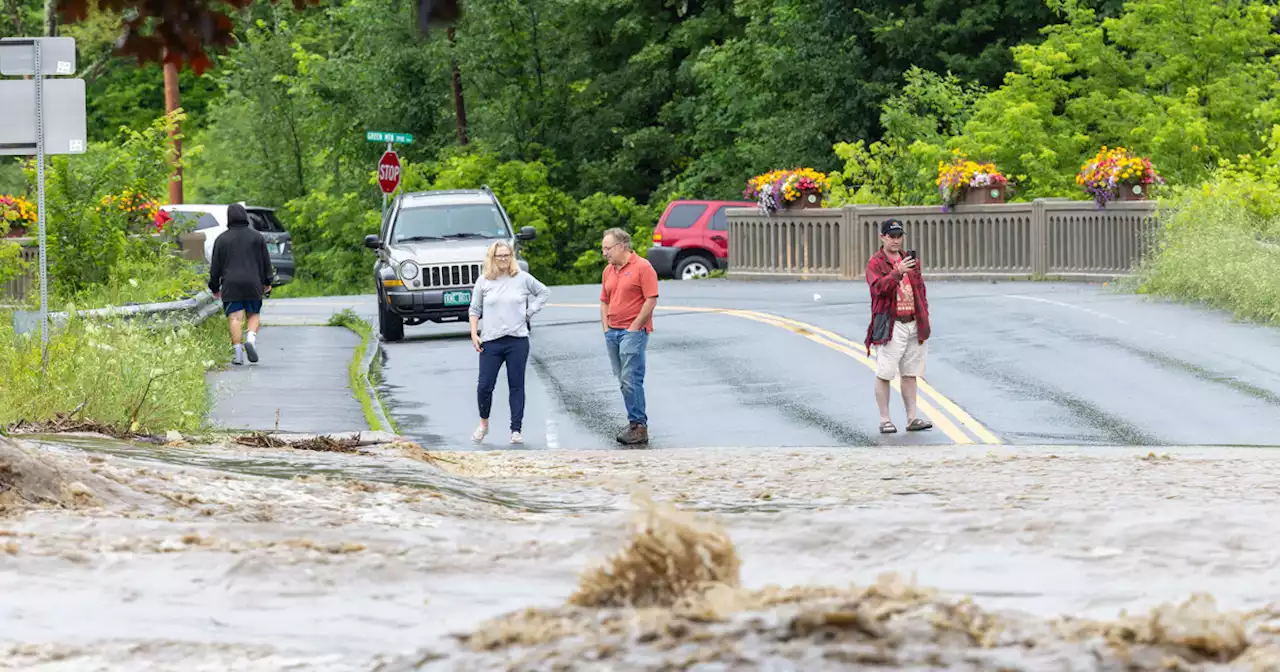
{"x":985,"y":435}
{"x":852,"y":349}
{"x":939,"y":419}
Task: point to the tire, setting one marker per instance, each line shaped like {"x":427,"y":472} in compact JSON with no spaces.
{"x":389,"y":324}
{"x":693,"y":266}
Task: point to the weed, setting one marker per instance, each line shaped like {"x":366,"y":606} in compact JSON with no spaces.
{"x":130,"y":377}
{"x":1217,"y":249}
{"x":360,"y":383}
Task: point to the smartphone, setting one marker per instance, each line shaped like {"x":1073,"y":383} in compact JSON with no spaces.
{"x":911,"y":254}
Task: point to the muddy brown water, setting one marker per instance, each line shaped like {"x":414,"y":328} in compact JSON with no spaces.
{"x":226,"y":557}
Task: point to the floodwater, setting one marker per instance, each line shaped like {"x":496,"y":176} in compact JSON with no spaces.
{"x":226,"y":557}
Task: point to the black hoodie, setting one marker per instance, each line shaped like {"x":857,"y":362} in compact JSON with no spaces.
{"x":241,"y":265}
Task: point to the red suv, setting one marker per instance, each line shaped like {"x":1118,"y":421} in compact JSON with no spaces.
{"x":692,"y":238}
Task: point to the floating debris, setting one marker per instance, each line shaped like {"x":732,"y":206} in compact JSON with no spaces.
{"x":323,"y":443}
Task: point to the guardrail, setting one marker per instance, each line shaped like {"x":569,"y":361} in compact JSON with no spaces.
{"x":190,"y":246}
{"x":193,"y":310}
{"x":1044,"y":238}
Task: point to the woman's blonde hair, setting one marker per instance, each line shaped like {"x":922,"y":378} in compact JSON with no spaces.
{"x":491,"y":263}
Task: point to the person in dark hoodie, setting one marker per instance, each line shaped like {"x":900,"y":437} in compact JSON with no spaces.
{"x":240,"y":275}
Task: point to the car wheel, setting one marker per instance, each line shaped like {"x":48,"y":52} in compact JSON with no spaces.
{"x":389,"y":324}
{"x":694,"y":266}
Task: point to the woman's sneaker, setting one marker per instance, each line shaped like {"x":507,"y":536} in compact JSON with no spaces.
{"x":516,"y":437}
{"x":478,"y":435}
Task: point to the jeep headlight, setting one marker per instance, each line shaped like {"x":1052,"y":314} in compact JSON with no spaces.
{"x":408,"y":270}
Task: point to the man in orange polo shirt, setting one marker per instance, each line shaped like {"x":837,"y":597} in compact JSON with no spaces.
{"x":628,"y":295}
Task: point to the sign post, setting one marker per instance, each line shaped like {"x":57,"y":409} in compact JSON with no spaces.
{"x":389,"y":164}
{"x":25,"y":129}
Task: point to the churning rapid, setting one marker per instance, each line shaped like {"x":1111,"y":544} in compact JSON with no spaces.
{"x":361,"y":555}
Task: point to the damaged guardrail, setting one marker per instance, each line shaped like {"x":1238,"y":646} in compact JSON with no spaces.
{"x":192,"y":310}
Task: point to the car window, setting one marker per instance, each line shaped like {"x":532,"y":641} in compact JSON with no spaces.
{"x":470,"y":220}
{"x":684,"y":215}
{"x":260,"y":222}
{"x":272,"y":221}
{"x":194,"y":219}
{"x":720,"y":220}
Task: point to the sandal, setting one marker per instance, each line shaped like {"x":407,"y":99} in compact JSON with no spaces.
{"x":887,"y":428}
{"x":918,"y":424}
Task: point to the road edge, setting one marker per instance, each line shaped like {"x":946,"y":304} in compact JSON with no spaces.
{"x":359,"y":370}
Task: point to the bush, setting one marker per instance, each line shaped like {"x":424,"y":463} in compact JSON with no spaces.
{"x":1220,"y":245}
{"x":125,"y":375}
{"x":96,"y":201}
{"x":328,"y":245}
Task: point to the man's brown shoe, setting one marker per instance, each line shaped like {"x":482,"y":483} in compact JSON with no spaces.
{"x":635,"y":434}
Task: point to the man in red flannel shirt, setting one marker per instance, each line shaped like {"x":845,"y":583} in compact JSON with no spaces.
{"x":899,"y":324}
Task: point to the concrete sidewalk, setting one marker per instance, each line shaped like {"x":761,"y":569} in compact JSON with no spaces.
{"x":301,"y":374}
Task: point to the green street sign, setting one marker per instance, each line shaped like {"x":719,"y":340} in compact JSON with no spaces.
{"x":386,"y":136}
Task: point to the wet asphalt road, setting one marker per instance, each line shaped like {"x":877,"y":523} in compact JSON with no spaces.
{"x":1023,"y":363}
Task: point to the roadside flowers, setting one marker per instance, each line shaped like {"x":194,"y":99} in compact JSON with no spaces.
{"x":1113,"y":168}
{"x":137,"y":207}
{"x":962,"y":174}
{"x":778,"y":188}
{"x":18,"y":214}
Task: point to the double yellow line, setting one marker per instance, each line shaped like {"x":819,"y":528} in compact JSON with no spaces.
{"x":958,"y":425}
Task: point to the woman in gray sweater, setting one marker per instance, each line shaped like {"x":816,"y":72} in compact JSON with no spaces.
{"x":504,"y":299}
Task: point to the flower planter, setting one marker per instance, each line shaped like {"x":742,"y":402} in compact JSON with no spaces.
{"x":770,"y":189}
{"x":807,"y":199}
{"x":16,"y":232}
{"x":982,"y":196}
{"x":1132,"y":192}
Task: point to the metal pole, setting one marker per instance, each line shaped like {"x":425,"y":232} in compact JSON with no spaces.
{"x":40,"y":215}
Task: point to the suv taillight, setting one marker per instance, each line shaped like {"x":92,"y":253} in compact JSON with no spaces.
{"x":657,"y":238}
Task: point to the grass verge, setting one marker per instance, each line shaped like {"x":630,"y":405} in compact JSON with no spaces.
{"x":361,"y":386}
{"x":1220,"y":247}
{"x":129,"y":377}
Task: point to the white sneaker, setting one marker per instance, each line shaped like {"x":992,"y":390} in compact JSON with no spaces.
{"x":478,"y":435}
{"x":516,"y":438}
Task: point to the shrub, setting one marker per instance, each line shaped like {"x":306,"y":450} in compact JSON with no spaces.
{"x":1220,"y":245}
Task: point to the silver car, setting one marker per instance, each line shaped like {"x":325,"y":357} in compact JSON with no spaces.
{"x":430,"y":254}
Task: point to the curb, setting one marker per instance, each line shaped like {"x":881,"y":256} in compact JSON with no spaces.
{"x":201,"y":306}
{"x":370,"y":352}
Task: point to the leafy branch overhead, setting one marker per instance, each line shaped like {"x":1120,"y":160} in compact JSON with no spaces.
{"x":186,"y":31}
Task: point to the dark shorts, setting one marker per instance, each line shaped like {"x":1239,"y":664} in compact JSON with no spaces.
{"x":250,"y":307}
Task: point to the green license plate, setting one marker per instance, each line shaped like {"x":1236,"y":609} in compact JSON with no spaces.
{"x":458,"y":298}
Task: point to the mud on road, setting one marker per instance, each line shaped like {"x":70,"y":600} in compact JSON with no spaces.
{"x":117,"y":556}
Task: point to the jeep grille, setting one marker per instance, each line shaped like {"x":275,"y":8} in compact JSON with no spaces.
{"x":450,"y":275}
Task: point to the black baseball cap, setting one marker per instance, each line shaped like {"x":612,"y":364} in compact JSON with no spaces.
{"x":890,"y":227}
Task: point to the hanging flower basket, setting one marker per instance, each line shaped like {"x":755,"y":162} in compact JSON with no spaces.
{"x":1116,"y":174}
{"x":971,"y":183}
{"x":982,"y":195}
{"x":797,"y":189}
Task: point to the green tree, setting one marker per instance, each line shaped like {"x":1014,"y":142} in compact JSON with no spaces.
{"x":1186,"y":85}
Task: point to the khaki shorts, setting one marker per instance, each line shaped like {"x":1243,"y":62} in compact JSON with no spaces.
{"x":904,"y":354}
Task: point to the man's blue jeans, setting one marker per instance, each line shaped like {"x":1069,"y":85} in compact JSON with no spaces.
{"x":626,"y":353}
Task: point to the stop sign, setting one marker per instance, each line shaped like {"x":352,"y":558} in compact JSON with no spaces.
{"x":388,"y":172}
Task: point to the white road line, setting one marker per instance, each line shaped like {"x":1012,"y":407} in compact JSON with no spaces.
{"x":1066,"y":305}
{"x":553,"y":439}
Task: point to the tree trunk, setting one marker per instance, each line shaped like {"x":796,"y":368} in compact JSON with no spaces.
{"x":172,"y":101}
{"x":459,"y":107}
{"x":15,"y":6}
{"x":50,"y":18}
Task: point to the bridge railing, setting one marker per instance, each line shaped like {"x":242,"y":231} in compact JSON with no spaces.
{"x":1043,"y":238}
